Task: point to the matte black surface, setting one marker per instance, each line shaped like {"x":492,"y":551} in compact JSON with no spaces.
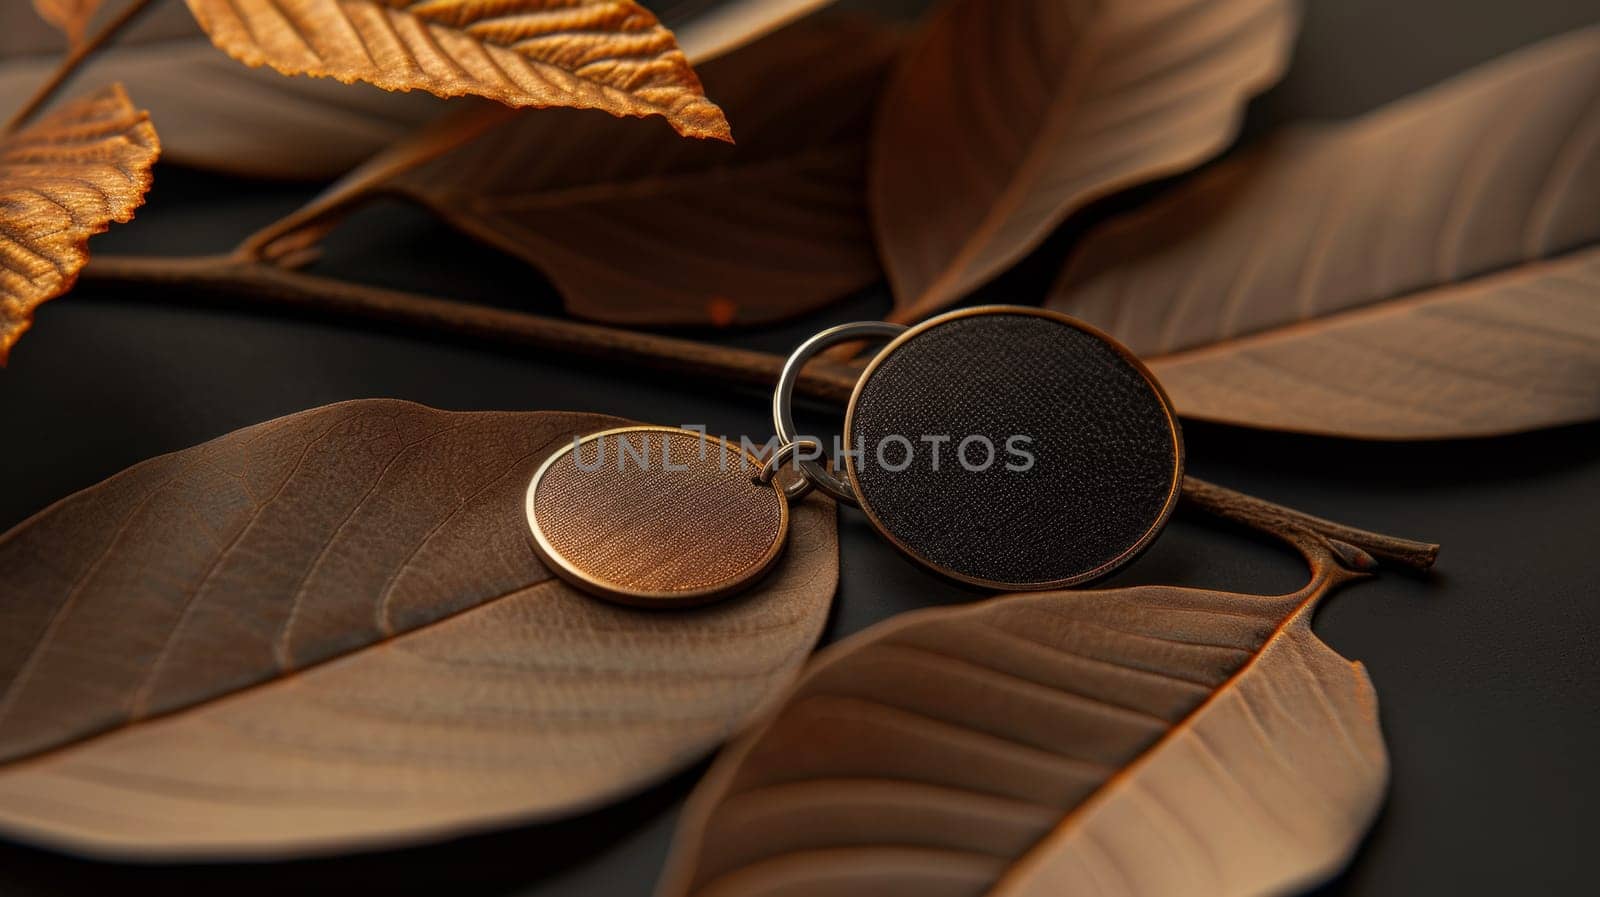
{"x":1487,"y":672}
{"x":1013,"y":449}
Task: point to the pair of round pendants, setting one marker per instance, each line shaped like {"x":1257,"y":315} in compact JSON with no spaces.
{"x":1005,"y":447}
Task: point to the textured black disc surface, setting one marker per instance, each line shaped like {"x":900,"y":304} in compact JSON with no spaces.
{"x":1106,"y":449}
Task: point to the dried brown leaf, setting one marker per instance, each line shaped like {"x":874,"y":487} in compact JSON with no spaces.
{"x":1429,"y":271}
{"x":71,"y":16}
{"x":331,"y":629}
{"x":1006,"y":117}
{"x":635,"y":227}
{"x":218,"y":115}
{"x":1145,"y":741}
{"x":63,"y":179}
{"x":593,"y":54}
{"x":214,"y":113}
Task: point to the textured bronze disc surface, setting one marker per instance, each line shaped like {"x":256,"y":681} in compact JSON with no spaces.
{"x":656,"y":516}
{"x":1106,"y":452}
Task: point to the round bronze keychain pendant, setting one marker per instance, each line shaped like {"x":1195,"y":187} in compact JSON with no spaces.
{"x":656,"y":516}
{"x":1042,"y":453}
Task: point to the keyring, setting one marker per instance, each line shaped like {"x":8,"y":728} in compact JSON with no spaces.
{"x":769,"y":471}
{"x":783,"y":397}
{"x":1006,"y":447}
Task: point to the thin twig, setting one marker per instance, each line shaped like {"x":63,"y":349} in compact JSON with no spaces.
{"x":229,"y":278}
{"x":235,"y":279}
{"x":75,"y":60}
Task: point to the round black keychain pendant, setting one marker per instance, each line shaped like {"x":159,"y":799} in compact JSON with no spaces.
{"x":1006,"y":447}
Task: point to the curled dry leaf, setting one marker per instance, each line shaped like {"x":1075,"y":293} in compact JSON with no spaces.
{"x":634,"y":227}
{"x":1399,"y":277}
{"x":1006,"y":117}
{"x":1145,"y":741}
{"x":63,"y":179}
{"x":593,"y":54}
{"x":331,"y":629}
{"x":71,"y":16}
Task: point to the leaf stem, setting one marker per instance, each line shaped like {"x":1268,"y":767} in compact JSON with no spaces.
{"x":233,"y":278}
{"x":74,"y":60}
{"x":1258,"y":513}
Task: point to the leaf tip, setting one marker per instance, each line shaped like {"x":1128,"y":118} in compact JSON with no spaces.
{"x":708,"y":122}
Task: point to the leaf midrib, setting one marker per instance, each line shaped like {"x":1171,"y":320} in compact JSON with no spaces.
{"x":268,"y":679}
{"x":636,"y":189}
{"x":1377,"y":308}
{"x":1324,"y":579}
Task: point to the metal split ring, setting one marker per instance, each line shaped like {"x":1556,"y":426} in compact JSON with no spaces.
{"x":811,"y":469}
{"x":769,"y":471}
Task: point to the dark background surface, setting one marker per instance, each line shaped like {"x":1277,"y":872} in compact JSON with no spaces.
{"x":1486,"y":670}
